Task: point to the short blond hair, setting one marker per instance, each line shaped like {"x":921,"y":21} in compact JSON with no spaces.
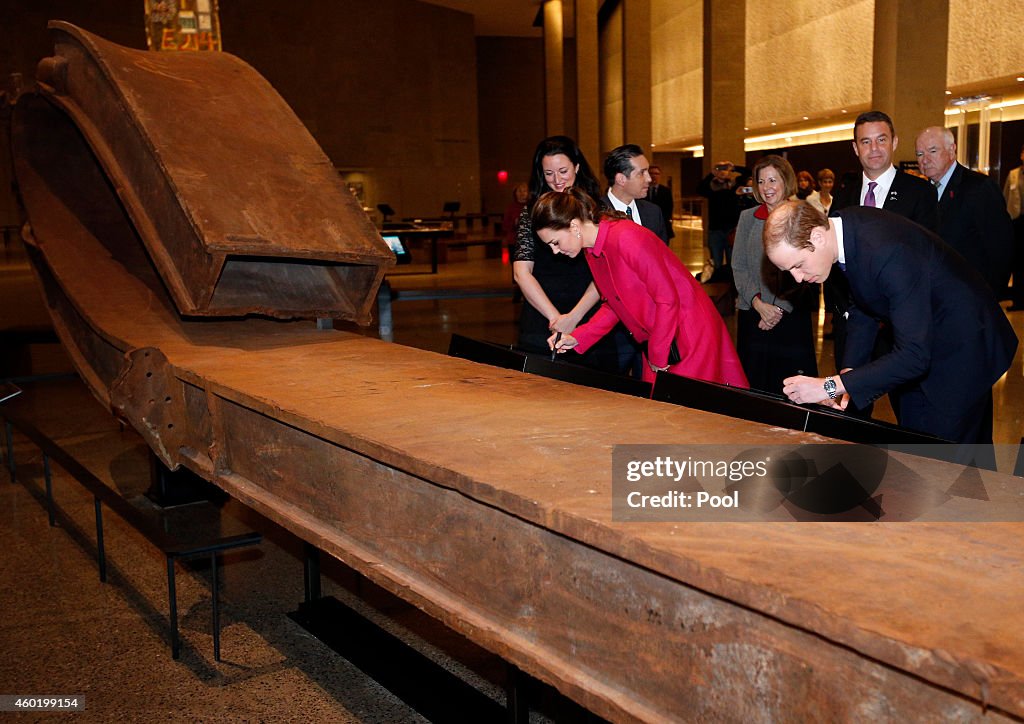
{"x":792,"y":223}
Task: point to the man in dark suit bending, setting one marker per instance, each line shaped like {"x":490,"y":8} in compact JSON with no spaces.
{"x":972,"y":213}
{"x":952,"y":340}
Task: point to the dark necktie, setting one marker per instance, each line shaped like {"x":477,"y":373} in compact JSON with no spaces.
{"x":629,"y":212}
{"x":869,"y":197}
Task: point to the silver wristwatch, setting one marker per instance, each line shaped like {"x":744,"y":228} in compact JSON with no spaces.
{"x":830,"y":388}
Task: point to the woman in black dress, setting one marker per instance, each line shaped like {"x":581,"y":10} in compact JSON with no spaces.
{"x":559,"y":291}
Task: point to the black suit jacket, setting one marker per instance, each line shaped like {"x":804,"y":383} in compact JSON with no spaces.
{"x":661,"y":196}
{"x":651,"y":218}
{"x":952,"y":340}
{"x":973,"y":220}
{"x":909,"y":196}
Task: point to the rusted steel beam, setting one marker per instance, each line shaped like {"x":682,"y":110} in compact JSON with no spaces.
{"x":484,"y":497}
{"x":239,"y":208}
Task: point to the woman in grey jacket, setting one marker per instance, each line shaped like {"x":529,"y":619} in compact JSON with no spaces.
{"x":774,"y":331}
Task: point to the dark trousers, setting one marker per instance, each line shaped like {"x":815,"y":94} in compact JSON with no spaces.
{"x":970,"y":428}
{"x":1017,"y":290}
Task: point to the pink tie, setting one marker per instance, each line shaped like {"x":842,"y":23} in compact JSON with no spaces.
{"x":869,"y":197}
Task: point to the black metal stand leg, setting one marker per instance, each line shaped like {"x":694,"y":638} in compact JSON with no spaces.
{"x":10,"y":451}
{"x":216,"y":606}
{"x":49,"y":489}
{"x":311,"y":573}
{"x":517,"y":710}
{"x":172,"y":597}
{"x":101,"y":553}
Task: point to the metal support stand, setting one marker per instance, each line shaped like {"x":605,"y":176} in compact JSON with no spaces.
{"x":101,"y":553}
{"x":215,"y":603}
{"x":311,"y":573}
{"x":49,"y":490}
{"x":385,"y":320}
{"x":10,"y":451}
{"x":517,"y":710}
{"x":172,"y":596}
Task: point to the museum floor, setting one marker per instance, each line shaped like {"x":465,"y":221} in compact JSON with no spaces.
{"x":62,"y":632}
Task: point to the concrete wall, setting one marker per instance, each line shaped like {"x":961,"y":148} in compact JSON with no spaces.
{"x":985,"y":39}
{"x":388,"y":88}
{"x":677,"y":70}
{"x":612,"y":101}
{"x":807,"y":58}
{"x":511,"y":82}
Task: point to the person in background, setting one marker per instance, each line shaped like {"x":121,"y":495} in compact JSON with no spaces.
{"x":719,"y":188}
{"x":661,"y":196}
{"x":822,"y":198}
{"x":559,"y":291}
{"x":646,"y":287}
{"x":774,"y":330}
{"x":804,"y":185}
{"x":745,"y":195}
{"x":1013,"y":193}
{"x":972,"y":213}
{"x":520,"y":195}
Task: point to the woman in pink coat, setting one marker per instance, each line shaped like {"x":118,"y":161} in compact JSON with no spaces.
{"x":643,"y":285}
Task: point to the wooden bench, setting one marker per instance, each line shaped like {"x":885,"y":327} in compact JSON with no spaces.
{"x":184,"y":532}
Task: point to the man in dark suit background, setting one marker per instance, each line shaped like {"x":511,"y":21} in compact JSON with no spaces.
{"x":953,"y":341}
{"x":882,"y":185}
{"x":661,"y":196}
{"x":629,"y":177}
{"x":972,"y":213}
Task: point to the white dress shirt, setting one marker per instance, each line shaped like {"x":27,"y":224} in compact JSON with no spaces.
{"x":619,"y":206}
{"x":881,"y":190}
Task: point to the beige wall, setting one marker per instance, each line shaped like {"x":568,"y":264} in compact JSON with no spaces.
{"x":986,"y":40}
{"x":807,"y":58}
{"x":612,"y":103}
{"x":677,"y":45}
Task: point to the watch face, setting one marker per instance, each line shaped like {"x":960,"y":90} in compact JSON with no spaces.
{"x":830,"y":387}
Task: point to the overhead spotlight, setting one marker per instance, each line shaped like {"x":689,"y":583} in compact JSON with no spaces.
{"x":773,"y":123}
{"x":843,"y":111}
{"x":1020,"y":78}
{"x":806,"y":118}
{"x":949,"y":93}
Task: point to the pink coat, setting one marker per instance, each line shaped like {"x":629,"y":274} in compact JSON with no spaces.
{"x":646,"y":287}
